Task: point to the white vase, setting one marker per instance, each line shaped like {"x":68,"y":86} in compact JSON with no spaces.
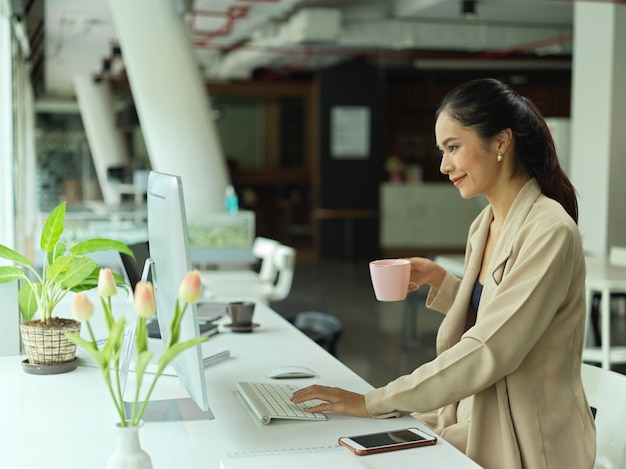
{"x":129,"y":454}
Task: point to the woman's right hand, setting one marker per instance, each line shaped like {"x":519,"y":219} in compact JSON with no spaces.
{"x":335,"y":400}
{"x":425,"y":272}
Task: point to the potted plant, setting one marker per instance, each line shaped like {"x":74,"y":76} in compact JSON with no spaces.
{"x":107,"y":355}
{"x":64,"y":269}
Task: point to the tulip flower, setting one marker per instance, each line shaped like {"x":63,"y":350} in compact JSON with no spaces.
{"x":145,"y":305}
{"x":108,"y":356}
{"x":191,"y":287}
{"x":82,"y":309}
{"x":106,"y":283}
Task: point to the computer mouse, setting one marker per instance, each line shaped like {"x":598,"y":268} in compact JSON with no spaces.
{"x":285,"y":372}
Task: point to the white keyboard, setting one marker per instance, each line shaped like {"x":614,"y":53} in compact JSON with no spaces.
{"x":271,"y":401}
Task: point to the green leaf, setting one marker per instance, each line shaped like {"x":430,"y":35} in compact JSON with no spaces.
{"x":56,"y":252}
{"x":142,"y":363}
{"x":90,"y":348}
{"x":171,"y":352}
{"x":10,"y":273}
{"x":10,"y":254}
{"x":100,"y":244}
{"x":115,"y":339}
{"x":141,"y":336}
{"x":175,"y":324}
{"x":57,"y":267}
{"x":52,"y":228}
{"x":109,"y":320}
{"x":27,"y":300}
{"x":88,"y":283}
{"x":70,"y":271}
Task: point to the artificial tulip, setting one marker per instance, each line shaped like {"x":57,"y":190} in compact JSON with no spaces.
{"x":191,"y":287}
{"x":108,"y":356}
{"x":145,"y":305}
{"x":82,"y":309}
{"x":106,"y":283}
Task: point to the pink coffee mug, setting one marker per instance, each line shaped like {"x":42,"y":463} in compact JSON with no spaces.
{"x":390,"y":278}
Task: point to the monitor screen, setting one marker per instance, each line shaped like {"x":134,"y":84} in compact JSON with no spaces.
{"x":132,"y":267}
{"x":170,"y":261}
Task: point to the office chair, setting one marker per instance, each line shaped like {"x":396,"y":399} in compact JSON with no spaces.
{"x":283,"y":262}
{"x":602,"y":294}
{"x":605,"y":392}
{"x":325,"y":329}
{"x":263,"y":250}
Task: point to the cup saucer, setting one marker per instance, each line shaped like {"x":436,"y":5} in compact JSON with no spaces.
{"x":247,"y":328}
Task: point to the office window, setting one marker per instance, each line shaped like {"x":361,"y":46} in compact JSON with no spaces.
{"x":65,"y":169}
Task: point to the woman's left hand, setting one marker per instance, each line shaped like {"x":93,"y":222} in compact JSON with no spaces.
{"x":337,"y":400}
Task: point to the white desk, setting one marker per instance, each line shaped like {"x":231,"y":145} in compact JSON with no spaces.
{"x":67,"y":420}
{"x":606,"y":279}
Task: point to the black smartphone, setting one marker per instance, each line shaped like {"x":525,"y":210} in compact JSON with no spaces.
{"x":387,"y":441}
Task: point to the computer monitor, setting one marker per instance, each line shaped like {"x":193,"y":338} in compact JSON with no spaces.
{"x":169,"y":262}
{"x":132,"y":267}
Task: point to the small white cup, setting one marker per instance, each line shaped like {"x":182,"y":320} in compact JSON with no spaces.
{"x":390,"y":278}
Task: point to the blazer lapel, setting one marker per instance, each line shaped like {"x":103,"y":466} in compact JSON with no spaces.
{"x":518,"y":212}
{"x":454,"y":323}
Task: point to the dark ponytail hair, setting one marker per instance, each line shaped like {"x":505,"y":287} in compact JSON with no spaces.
{"x":488,"y":106}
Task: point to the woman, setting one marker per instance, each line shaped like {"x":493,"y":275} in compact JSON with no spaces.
{"x":505,"y":387}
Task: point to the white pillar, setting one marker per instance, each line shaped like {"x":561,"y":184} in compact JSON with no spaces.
{"x":10,"y":314}
{"x":97,"y":110}
{"x":7,"y":162}
{"x":27,"y":203}
{"x":9,"y":320}
{"x":172,"y":101}
{"x":598,"y":148}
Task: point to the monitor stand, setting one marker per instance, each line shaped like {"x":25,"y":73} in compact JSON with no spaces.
{"x":171,"y":410}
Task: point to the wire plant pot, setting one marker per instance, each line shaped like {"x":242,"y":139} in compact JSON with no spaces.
{"x":46,"y":344}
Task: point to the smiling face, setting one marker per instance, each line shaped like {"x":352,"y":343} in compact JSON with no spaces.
{"x":470,"y":162}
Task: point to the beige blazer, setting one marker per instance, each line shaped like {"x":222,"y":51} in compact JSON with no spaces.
{"x":517,"y":369}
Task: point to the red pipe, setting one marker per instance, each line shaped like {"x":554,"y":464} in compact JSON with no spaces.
{"x":231,"y":15}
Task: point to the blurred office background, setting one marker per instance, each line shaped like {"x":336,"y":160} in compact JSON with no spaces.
{"x":319,"y":113}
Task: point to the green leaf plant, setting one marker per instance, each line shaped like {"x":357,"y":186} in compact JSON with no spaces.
{"x":63,"y":270}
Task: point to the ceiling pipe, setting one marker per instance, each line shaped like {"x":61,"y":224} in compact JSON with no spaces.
{"x":355,"y":51}
{"x":231,"y":16}
{"x":531,"y":46}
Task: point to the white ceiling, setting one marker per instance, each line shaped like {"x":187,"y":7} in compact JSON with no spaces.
{"x":316,"y":33}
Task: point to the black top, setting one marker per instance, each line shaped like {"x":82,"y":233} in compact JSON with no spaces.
{"x":476,"y":293}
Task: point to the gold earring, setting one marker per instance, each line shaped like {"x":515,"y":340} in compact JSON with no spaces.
{"x":499,"y":157}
